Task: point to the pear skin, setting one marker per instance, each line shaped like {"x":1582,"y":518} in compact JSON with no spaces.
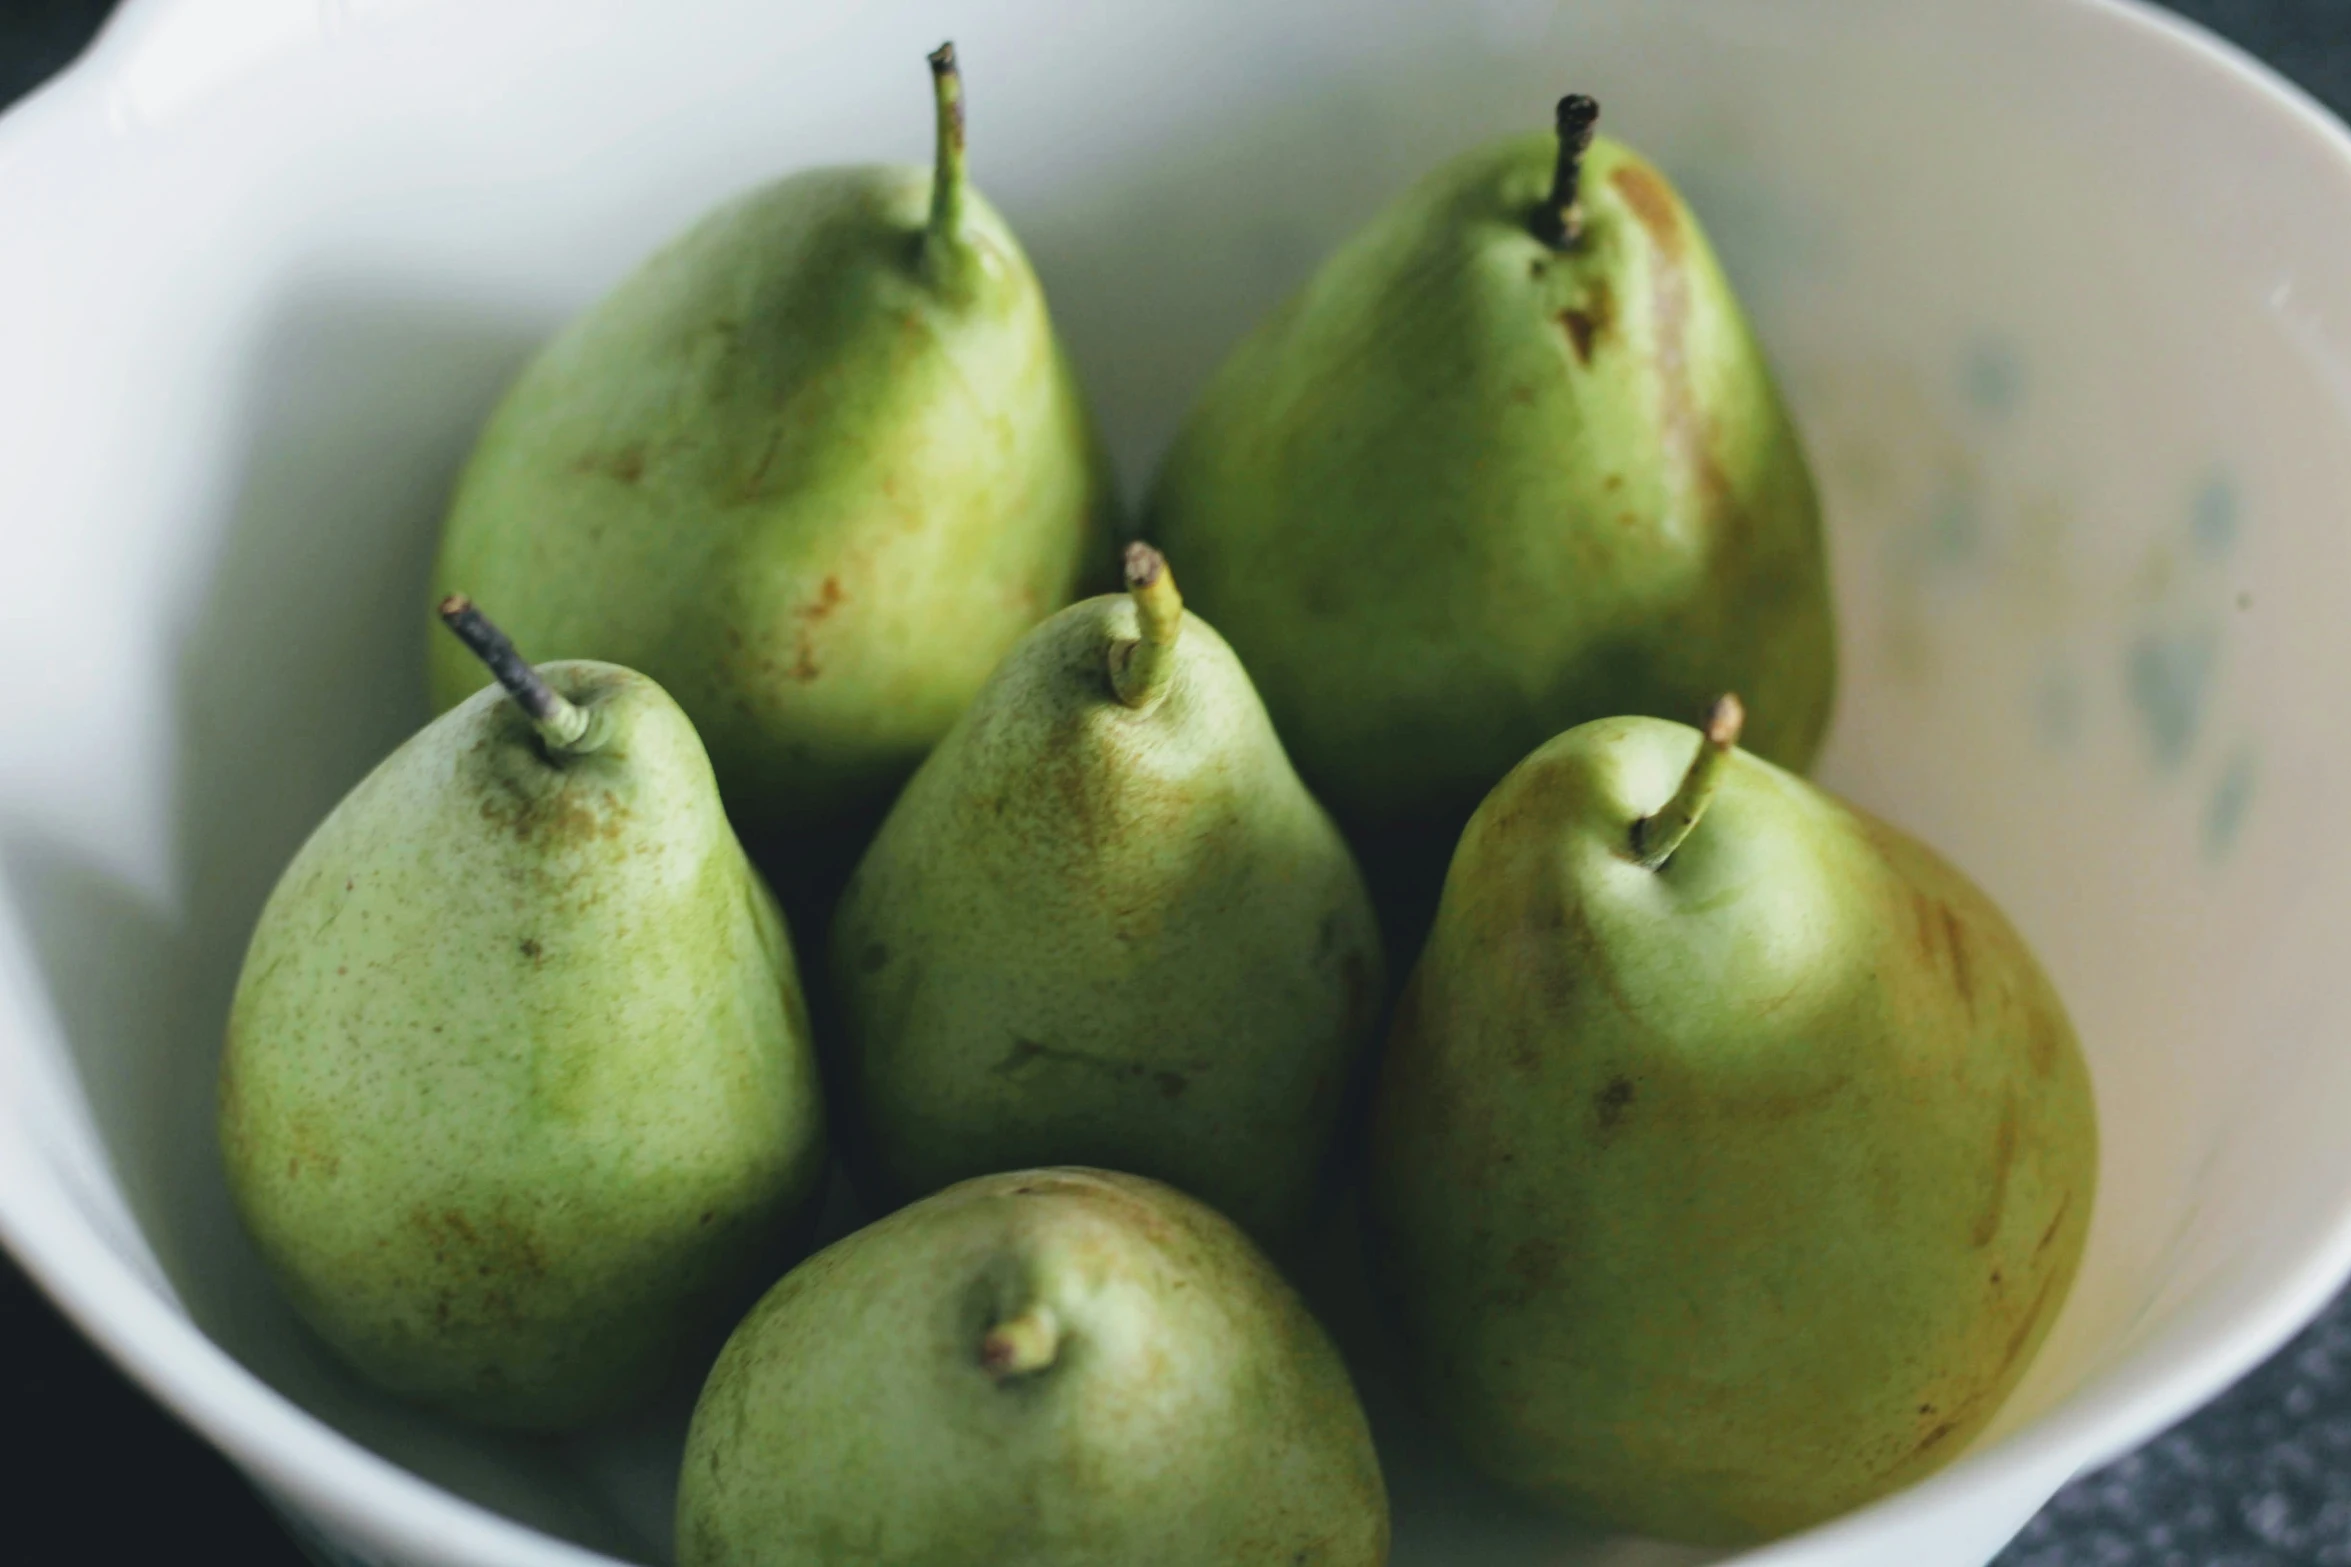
{"x":1106,"y":924}
{"x":518,"y":1100}
{"x":1511,"y":460}
{"x":1054,"y":1367}
{"x":814,"y":468}
{"x":1732,"y":1154}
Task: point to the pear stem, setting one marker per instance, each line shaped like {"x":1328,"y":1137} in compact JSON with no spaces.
{"x":1656,"y":837}
{"x":1560,"y":222}
{"x":562,"y":723}
{"x":1021,"y":1346}
{"x":943,"y":241}
{"x":1140,"y":669}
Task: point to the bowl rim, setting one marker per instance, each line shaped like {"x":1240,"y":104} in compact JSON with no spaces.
{"x":298,"y":1459}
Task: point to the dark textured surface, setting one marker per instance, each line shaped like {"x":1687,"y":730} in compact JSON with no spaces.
{"x":38,"y":37}
{"x":2307,"y":40}
{"x":2260,"y":1478}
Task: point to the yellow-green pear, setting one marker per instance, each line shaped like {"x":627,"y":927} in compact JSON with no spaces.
{"x":813,"y":467}
{"x":1511,"y":460}
{"x":1050,"y":1368}
{"x":1731,"y":1155}
{"x":1106,"y":924}
{"x":518,"y":1101}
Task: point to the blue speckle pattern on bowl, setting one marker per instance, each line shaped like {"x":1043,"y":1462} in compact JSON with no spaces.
{"x":1991,"y":374}
{"x":2167,"y":675}
{"x":2231,"y":797}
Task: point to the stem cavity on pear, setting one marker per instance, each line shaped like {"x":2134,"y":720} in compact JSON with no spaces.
{"x":943,"y":241}
{"x":1560,"y":221}
{"x":1140,"y":669}
{"x":561,"y":723}
{"x":1656,"y":837}
{"x":1022,"y":1345}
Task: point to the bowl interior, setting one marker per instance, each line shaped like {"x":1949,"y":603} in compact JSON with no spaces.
{"x":2051,"y":290}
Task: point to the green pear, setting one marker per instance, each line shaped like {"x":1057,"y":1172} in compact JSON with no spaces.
{"x":1510,"y":461}
{"x":1731,"y":1154}
{"x":1106,"y":924}
{"x":518,"y":1100}
{"x":1055,"y":1368}
{"x":814,"y":467}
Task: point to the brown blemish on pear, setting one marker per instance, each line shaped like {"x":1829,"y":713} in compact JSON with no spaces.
{"x":1696,"y":1157}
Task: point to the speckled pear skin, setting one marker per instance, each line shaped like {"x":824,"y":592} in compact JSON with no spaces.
{"x":1465,"y":490}
{"x":1720,"y":1199}
{"x":518,"y":1100}
{"x":809,"y":485}
{"x":1193,"y":1413}
{"x":1087,"y":934}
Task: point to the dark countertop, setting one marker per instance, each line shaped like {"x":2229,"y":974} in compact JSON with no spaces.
{"x":2259,"y":1478}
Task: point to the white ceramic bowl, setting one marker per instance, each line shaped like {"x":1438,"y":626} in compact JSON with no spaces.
{"x":2059,"y":288}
